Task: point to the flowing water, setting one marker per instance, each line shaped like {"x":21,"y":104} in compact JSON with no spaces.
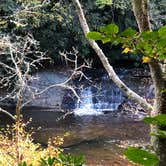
{"x":86,"y":106}
{"x":94,"y":103}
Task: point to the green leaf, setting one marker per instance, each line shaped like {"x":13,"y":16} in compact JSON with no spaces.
{"x":141,"y":156}
{"x":94,"y":35}
{"x":117,"y":40}
{"x":150,"y":120}
{"x":161,"y":119}
{"x":110,"y":29}
{"x":161,"y":42}
{"x":149,"y":36}
{"x":148,"y":48}
{"x":163,"y":90}
{"x":43,"y":162}
{"x":162,"y":55}
{"x":159,"y":133}
{"x":106,"y":40}
{"x":51,"y":161}
{"x":129,"y":32}
{"x":157,"y":120}
{"x":67,"y":159}
{"x":162,"y":31}
{"x":103,"y":2}
{"x":23,"y":164}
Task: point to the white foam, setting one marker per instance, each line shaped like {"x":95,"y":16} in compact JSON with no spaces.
{"x":84,"y":111}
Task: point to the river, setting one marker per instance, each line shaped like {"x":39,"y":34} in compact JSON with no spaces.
{"x":99,"y":126}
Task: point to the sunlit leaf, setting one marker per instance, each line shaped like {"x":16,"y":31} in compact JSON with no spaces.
{"x":159,"y":133}
{"x":67,"y":134}
{"x":106,"y":40}
{"x":104,"y":2}
{"x":126,"y":50}
{"x":146,"y":59}
{"x":94,"y":35}
{"x":163,"y":90}
{"x":160,"y":120}
{"x":142,"y":157}
{"x":3,"y":22}
{"x":110,"y":29}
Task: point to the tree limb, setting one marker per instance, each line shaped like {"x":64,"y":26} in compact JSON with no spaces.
{"x":7,"y":113}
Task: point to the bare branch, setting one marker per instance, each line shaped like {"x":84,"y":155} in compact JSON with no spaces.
{"x":7,"y":113}
{"x":18,"y":65}
{"x":71,"y":57}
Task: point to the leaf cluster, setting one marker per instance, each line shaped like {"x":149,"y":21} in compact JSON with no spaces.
{"x":145,"y":157}
{"x":141,"y":156}
{"x":151,"y":44}
{"x":159,"y":120}
{"x":32,"y":154}
{"x":61,"y":160}
{"x":55,"y":24}
{"x":117,"y":4}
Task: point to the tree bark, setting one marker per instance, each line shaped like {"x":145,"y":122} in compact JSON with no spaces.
{"x":130,"y":94}
{"x":159,"y":144}
{"x":140,"y":8}
{"x":141,"y":14}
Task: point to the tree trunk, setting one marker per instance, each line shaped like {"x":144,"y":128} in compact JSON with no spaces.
{"x":141,"y":14}
{"x":159,"y":144}
{"x":159,"y":80}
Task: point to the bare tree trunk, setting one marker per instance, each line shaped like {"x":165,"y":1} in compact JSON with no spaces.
{"x":141,"y":14}
{"x":131,"y":94}
{"x":159,"y":80}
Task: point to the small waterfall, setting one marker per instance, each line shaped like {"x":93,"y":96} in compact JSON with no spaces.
{"x":95,"y":103}
{"x":86,"y":106}
{"x":110,"y":99}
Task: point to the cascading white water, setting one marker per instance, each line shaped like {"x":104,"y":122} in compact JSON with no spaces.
{"x":103,"y":101}
{"x":86,"y":106}
{"x":109,"y":102}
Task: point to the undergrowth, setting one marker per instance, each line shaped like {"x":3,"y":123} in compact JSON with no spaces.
{"x":18,"y":149}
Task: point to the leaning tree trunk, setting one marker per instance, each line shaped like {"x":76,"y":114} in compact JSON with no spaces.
{"x":158,"y":74}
